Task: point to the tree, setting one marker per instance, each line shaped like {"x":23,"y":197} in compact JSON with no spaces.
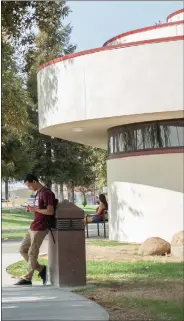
{"x":53,"y":160}
{"x":100,"y":167}
{"x":59,"y":161}
{"x":17,"y":15}
{"x":15,"y":160}
{"x":84,"y":203}
{"x":14,"y":96}
{"x":51,"y":41}
{"x":94,"y":173}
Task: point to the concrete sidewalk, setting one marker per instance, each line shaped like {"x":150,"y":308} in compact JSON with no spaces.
{"x":42,"y":302}
{"x":10,"y":255}
{"x":48,"y":303}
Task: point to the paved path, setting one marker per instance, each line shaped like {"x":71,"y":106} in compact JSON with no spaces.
{"x":39,"y":302}
{"x":48,"y":303}
{"x":10,"y":255}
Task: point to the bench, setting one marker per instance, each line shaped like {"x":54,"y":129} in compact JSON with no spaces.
{"x":104,"y":221}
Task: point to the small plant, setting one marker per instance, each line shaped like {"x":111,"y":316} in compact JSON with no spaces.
{"x":84,"y":203}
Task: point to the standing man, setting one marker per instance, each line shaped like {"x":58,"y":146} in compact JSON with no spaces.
{"x":43,"y":209}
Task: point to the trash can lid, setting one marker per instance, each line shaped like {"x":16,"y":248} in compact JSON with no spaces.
{"x":66,"y":209}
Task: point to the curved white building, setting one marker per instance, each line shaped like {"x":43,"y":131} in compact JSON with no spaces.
{"x":127,"y":97}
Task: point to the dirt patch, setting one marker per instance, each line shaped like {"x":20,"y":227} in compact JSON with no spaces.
{"x":129,"y":314}
{"x":120,"y":300}
{"x":169,"y":291}
{"x":123,"y":253}
{"x":116,"y":306}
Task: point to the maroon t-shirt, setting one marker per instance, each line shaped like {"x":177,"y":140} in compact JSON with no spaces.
{"x":44,"y":197}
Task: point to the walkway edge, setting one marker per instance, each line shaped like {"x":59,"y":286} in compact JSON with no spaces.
{"x":52,"y":303}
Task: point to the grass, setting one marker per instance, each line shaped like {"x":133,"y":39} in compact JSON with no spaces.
{"x":164,"y":310}
{"x":137,"y":290}
{"x":16,"y":220}
{"x":15,"y":225}
{"x":19,"y":268}
{"x":106,"y":270}
{"x":130,"y":290}
{"x":140,"y":270}
{"x":88,"y":209}
{"x":124,"y":307}
{"x":13,"y":235}
{"x":141,"y":290}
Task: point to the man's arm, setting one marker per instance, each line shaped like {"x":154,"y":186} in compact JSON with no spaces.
{"x":48,"y":199}
{"x":48,"y":211}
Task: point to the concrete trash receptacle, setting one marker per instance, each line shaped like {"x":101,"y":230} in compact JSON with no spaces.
{"x":67,"y":256}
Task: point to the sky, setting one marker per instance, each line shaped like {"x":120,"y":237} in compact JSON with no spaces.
{"x":94,"y":22}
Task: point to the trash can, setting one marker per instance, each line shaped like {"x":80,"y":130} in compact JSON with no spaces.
{"x":67,"y":256}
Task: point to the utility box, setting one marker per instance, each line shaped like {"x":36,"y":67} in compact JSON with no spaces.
{"x":67,"y":256}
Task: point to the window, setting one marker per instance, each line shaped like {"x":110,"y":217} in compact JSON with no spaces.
{"x":146,"y":136}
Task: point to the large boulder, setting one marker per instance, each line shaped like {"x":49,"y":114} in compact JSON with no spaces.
{"x":178,"y":238}
{"x":155,"y":246}
{"x":177,"y":244}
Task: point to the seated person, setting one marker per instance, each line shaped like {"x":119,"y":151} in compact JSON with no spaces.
{"x":97,"y":216}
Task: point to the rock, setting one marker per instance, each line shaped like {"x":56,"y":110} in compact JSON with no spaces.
{"x":177,"y":244}
{"x":178,"y":238}
{"x":155,"y":246}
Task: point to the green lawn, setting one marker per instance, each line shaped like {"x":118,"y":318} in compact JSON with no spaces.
{"x":137,"y":290}
{"x":103,"y":271}
{"x":14,"y":225}
{"x":13,"y":234}
{"x":141,"y":290}
{"x":88,"y":209}
{"x":15,"y":220}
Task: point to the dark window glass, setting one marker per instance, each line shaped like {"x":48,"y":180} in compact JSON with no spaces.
{"x":141,"y":136}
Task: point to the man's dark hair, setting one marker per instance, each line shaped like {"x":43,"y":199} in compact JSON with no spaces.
{"x":30,"y":178}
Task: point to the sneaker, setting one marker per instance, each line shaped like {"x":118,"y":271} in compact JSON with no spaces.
{"x":24,"y":282}
{"x":43,"y":275}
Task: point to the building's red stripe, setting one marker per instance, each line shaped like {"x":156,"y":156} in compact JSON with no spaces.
{"x":95,"y":50}
{"x":175,"y":13}
{"x":148,"y":152}
{"x":122,"y":35}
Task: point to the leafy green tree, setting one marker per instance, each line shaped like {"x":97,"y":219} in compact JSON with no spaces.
{"x":100,"y":167}
{"x":52,"y":41}
{"x":16,"y":104}
{"x":59,"y":161}
{"x":52,"y":159}
{"x":14,"y":95}
{"x":15,"y":160}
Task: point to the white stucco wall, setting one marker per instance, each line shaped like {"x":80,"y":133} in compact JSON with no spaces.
{"x":127,"y":81}
{"x":145,"y":197}
{"x":177,"y":17}
{"x":162,"y":32}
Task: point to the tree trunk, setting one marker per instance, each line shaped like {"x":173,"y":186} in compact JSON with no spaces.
{"x":49,"y":157}
{"x":48,"y":183}
{"x":73,"y":194}
{"x":56,"y":190}
{"x":61,"y":194}
{"x":94,"y":194}
{"x":6,"y":190}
